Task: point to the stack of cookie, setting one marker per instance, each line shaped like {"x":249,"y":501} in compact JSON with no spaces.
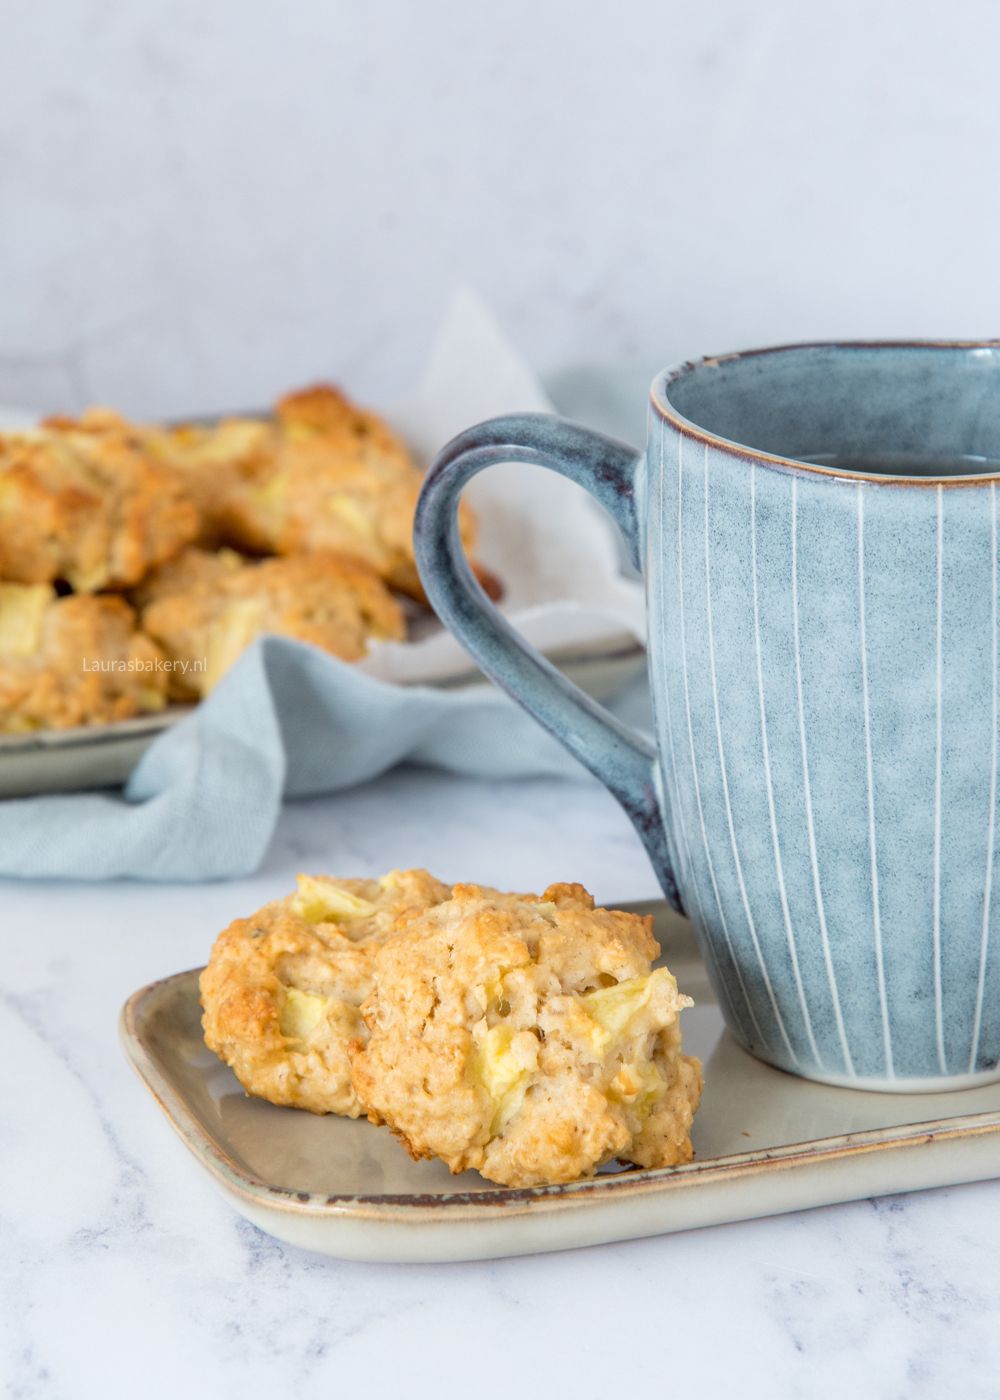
{"x":137,"y":563}
{"x":526,"y":1036}
{"x":85,"y":513}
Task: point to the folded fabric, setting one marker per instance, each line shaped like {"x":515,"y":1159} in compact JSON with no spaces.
{"x":287,"y":720}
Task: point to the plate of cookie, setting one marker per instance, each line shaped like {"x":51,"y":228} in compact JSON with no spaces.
{"x":138,"y":561}
{"x":403,"y":1070}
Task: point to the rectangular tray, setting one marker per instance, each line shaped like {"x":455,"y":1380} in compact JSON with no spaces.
{"x":766,"y":1143}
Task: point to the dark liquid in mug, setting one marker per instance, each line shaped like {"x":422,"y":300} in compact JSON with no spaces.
{"x":920,"y":464}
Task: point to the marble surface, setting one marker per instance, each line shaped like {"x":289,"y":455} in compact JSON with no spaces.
{"x":124,"y":1274}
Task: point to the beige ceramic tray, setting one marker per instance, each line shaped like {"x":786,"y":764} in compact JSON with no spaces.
{"x":766,"y":1143}
{"x":68,"y":760}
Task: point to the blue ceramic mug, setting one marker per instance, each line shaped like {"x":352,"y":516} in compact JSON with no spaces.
{"x":817,"y":528}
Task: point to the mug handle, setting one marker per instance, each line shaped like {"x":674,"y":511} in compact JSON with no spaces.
{"x":612,"y":472}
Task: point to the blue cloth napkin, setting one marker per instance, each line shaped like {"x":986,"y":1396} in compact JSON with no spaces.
{"x":287,"y":720}
{"x":290,"y":721}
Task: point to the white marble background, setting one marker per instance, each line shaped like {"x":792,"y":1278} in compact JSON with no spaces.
{"x":202,"y":203}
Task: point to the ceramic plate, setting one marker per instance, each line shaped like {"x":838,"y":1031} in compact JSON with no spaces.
{"x":766,"y":1143}
{"x":68,"y":760}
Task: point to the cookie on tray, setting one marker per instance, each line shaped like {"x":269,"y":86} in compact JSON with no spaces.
{"x":83,"y":502}
{"x":529,"y":1038}
{"x":322,"y":474}
{"x":282,"y":990}
{"x":207,"y":609}
{"x":73,"y":661}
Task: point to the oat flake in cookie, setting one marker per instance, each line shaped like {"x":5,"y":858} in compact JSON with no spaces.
{"x":529,"y":1038}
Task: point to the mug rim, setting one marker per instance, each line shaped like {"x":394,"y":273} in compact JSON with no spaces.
{"x":659,"y":400}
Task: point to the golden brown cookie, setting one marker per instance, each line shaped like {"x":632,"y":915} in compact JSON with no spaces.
{"x":529,"y":1038}
{"x":322,"y":474}
{"x":282,"y":989}
{"x":71,"y":661}
{"x":83,"y":501}
{"x":207,"y":609}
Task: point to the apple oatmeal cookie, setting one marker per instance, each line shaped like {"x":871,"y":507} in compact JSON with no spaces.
{"x":83,"y":502}
{"x":73,"y":661}
{"x":321,"y":474}
{"x":528,"y":1037}
{"x":206,"y":609}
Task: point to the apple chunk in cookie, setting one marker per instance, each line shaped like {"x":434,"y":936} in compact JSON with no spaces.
{"x":527,"y":1037}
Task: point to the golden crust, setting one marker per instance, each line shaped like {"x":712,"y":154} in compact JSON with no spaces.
{"x":82,"y":501}
{"x":322,"y":474}
{"x":73,"y":661}
{"x":207,"y":609}
{"x":527,"y":1037}
{"x":282,"y":989}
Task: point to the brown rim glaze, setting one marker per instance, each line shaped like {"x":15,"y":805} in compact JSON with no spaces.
{"x":660,"y":401}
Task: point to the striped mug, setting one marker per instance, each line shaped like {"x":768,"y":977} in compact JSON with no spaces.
{"x":817,"y":529}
